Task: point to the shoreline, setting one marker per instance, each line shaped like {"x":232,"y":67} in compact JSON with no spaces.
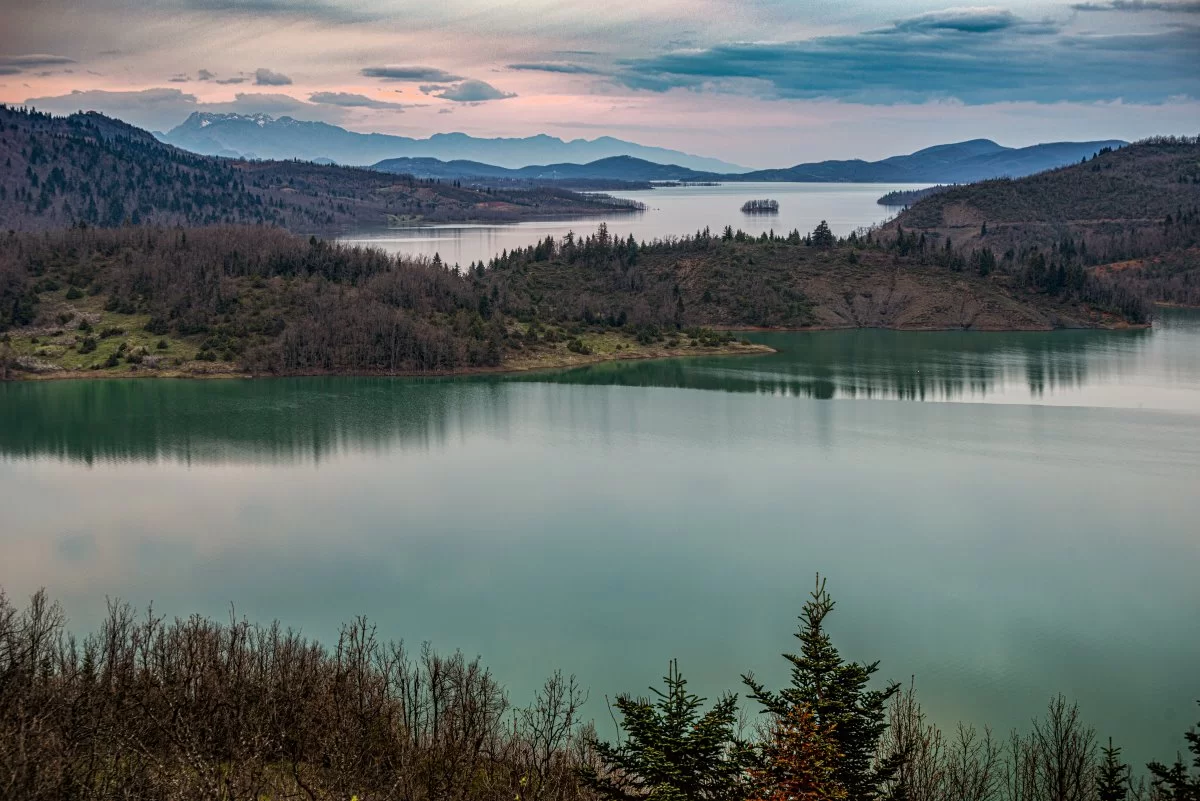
{"x":760,"y":329}
{"x":563,"y":361}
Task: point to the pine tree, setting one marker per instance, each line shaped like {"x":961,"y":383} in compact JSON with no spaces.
{"x":822,"y":237}
{"x":1177,"y":782}
{"x":1112,"y":779}
{"x":836,"y":692}
{"x":672,"y":751}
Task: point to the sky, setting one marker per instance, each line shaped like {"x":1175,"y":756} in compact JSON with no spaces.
{"x":762,"y":83}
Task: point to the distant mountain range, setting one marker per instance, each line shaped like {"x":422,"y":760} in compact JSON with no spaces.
{"x":614,"y":168}
{"x":964,"y":162}
{"x":547,"y":159}
{"x":262,"y":136}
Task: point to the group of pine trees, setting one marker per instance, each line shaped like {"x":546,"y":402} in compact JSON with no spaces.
{"x":828,"y":735}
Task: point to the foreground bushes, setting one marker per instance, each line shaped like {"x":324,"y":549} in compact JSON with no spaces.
{"x":146,"y":709}
{"x":196,"y":709}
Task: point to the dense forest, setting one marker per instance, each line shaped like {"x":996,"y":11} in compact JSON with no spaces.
{"x":150,"y":708}
{"x":1172,"y":277}
{"x":734,"y":279}
{"x":258,"y":297}
{"x":87,"y":168}
{"x":261,"y":300}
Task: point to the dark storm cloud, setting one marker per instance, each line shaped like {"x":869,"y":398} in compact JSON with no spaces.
{"x":963,"y":20}
{"x":265,"y":77}
{"x":564,"y":69}
{"x":314,"y":9}
{"x":1182,"y":7}
{"x":473,"y":92}
{"x":971,"y":55}
{"x":410,"y":73}
{"x":11,"y":65}
{"x":351,"y":100}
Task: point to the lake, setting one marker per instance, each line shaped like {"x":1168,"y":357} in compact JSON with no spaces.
{"x":1001,"y":516}
{"x":670,"y":211}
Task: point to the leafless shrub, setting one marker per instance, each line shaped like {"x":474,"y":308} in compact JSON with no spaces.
{"x":147,"y":708}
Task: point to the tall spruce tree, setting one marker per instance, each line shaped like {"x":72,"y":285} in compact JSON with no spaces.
{"x":672,"y":751}
{"x":822,"y":236}
{"x":1112,"y":778}
{"x":836,"y":693}
{"x":1176,"y":782}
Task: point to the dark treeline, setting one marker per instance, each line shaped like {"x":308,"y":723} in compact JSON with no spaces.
{"x":1172,"y":277}
{"x":1059,"y":271}
{"x":760,"y":207}
{"x":146,"y":708}
{"x":906,"y":197}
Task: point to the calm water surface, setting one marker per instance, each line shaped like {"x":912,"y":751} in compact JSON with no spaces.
{"x":671,"y":211}
{"x":1002,"y":516}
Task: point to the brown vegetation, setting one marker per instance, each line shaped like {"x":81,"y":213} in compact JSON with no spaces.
{"x":147,"y":708}
{"x":151,"y":709}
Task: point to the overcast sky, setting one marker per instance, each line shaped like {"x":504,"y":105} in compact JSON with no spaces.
{"x":758,"y":82}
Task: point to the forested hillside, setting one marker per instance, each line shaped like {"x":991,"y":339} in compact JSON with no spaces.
{"x":794,"y":281}
{"x":90,"y":169}
{"x":1120,"y":204}
{"x":1131,"y":216}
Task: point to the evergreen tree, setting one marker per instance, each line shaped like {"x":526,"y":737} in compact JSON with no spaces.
{"x":672,"y":751}
{"x":1112,"y":779}
{"x":1177,"y":782}
{"x":822,"y":237}
{"x":836,"y":692}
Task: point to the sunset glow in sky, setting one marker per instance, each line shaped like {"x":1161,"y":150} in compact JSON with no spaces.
{"x":757,"y":82}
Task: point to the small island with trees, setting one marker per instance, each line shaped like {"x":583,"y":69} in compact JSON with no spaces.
{"x":760,"y":207}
